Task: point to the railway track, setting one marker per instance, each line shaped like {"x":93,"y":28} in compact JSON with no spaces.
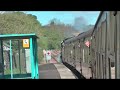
{"x":54,"y":55}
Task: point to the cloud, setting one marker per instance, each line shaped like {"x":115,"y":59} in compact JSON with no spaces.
{"x":80,"y":23}
{"x":82,"y":13}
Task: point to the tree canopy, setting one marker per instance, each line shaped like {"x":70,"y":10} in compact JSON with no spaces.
{"x":50,"y":36}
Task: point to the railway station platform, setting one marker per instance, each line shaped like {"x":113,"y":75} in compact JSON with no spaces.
{"x":55,"y":71}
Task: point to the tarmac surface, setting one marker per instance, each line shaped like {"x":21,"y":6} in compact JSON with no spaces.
{"x":55,"y":71}
{"x":48,"y":71}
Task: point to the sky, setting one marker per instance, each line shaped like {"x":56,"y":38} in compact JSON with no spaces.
{"x":66,"y":17}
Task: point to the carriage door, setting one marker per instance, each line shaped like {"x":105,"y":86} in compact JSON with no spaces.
{"x":117,"y":44}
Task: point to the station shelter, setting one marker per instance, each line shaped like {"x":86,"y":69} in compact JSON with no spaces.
{"x":18,"y":56}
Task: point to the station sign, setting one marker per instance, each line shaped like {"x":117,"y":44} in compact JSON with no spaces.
{"x":26,"y":43}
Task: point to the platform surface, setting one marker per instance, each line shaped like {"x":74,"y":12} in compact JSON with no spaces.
{"x":55,"y":71}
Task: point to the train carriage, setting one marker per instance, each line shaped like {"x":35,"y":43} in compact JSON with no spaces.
{"x":79,"y":53}
{"x":101,"y":60}
{"x":106,"y":33}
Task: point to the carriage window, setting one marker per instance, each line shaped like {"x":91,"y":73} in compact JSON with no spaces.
{"x":103,"y":35}
{"x":100,"y":41}
{"x":109,"y":66}
{"x":112,"y":64}
{"x":112,"y":32}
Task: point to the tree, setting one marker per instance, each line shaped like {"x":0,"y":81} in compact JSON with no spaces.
{"x":50,"y":35}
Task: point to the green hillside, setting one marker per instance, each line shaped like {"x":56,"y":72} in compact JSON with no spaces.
{"x":50,"y":36}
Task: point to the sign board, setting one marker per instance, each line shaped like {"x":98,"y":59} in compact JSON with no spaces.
{"x":26,"y":43}
{"x":48,"y":55}
{"x":87,"y":43}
